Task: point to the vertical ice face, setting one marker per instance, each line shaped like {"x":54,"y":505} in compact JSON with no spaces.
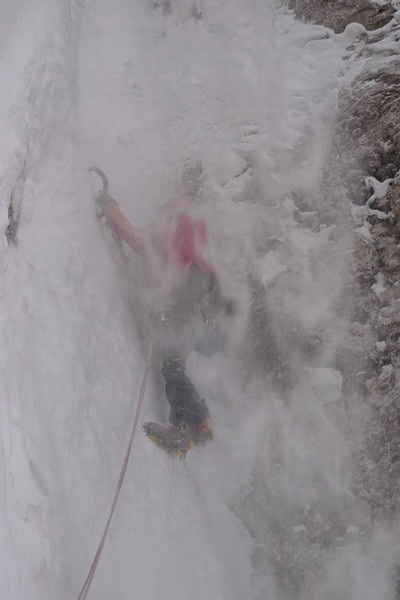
{"x":147,"y":90}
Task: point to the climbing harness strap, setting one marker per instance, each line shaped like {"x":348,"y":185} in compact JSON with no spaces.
{"x":89,"y":579}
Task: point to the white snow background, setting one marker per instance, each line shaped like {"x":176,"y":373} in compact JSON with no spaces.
{"x":250,"y":92}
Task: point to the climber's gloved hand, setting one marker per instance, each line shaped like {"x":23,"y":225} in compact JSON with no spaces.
{"x":102,"y":199}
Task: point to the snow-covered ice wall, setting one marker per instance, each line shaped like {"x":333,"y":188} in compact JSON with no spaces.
{"x":248,"y":91}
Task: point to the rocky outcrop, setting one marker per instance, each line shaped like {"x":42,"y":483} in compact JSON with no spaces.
{"x":378,"y":477}
{"x":367,"y":149}
{"x":336,"y":14}
{"x":370,"y":128}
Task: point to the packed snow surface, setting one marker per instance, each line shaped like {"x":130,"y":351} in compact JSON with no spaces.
{"x":248,"y":91}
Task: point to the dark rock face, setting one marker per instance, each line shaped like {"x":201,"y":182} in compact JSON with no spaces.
{"x":378,"y":478}
{"x":386,"y":233}
{"x":369,"y":120}
{"x":367,"y":143}
{"x":336,"y":14}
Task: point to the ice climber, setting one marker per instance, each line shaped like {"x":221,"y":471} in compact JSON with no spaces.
{"x":178,"y":274}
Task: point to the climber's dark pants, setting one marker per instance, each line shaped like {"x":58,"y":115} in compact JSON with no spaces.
{"x":176,"y":341}
{"x":186,"y":404}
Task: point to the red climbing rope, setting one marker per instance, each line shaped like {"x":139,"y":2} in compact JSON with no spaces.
{"x":89,"y":579}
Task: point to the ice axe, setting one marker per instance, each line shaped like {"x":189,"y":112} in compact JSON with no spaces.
{"x":103,"y":176}
{"x":102,"y":198}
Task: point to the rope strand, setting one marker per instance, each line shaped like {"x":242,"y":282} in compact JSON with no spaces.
{"x":89,"y":579}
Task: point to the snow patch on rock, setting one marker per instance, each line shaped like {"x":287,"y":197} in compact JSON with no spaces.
{"x":326,"y":383}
